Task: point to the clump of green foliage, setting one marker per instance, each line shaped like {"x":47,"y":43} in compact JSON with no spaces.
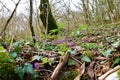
{"x":6,"y":68}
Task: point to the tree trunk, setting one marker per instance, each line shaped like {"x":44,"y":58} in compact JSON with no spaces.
{"x":30,"y":19}
{"x":46,"y":16}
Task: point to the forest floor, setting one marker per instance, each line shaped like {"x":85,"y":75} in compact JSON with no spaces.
{"x":84,"y":53}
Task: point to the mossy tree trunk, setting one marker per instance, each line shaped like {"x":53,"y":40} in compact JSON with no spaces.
{"x":47,"y":17}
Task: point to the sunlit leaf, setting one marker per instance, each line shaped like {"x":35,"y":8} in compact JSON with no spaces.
{"x":102,"y":52}
{"x":115,"y":44}
{"x":19,"y":59}
{"x":44,"y":60}
{"x":61,"y":53}
{"x":85,"y":58}
{"x":36,"y":57}
{"x":108,"y":52}
{"x":72,"y":51}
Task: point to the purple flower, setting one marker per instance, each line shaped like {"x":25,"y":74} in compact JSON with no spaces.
{"x":70,"y":44}
{"x":55,"y":42}
{"x":36,"y":65}
{"x":36,"y":38}
{"x":61,"y":41}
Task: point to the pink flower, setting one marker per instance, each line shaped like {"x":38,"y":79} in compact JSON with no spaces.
{"x":70,"y":44}
{"x":36,"y":65}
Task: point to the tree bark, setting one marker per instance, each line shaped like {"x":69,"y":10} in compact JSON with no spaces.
{"x":47,"y":17}
{"x":30,"y":19}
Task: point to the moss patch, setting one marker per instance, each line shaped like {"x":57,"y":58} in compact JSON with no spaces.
{"x":68,"y":75}
{"x":118,"y":73}
{"x":7,"y":71}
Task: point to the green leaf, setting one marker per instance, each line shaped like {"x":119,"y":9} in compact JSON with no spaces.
{"x":3,"y":54}
{"x":83,"y":27}
{"x":61,"y":53}
{"x":28,"y":68}
{"x":71,"y":62}
{"x":16,"y":44}
{"x":116,"y":61}
{"x":20,"y":71}
{"x":115,"y":44}
{"x":19,"y":59}
{"x":36,"y":57}
{"x":13,"y":54}
{"x":108,"y":52}
{"x":2,"y":50}
{"x":86,"y":58}
{"x":118,"y":74}
{"x":102,"y":52}
{"x":44,"y":60}
{"x":10,"y":59}
{"x":17,"y":49}
{"x":72,"y":51}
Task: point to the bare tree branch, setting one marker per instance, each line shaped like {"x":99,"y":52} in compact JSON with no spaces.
{"x":9,"y":19}
{"x":4,"y":5}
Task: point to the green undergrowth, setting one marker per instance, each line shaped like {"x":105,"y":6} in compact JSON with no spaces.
{"x":6,"y":68}
{"x":68,"y":75}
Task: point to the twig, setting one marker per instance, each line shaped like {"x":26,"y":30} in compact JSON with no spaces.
{"x":59,"y":67}
{"x":75,"y":59}
{"x":82,"y":70}
{"x":103,"y":77}
{"x":9,"y":19}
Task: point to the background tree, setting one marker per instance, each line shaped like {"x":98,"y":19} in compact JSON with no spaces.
{"x":6,"y":24}
{"x":46,"y":16}
{"x":30,"y":19}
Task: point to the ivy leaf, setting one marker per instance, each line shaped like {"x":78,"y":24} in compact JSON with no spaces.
{"x":86,"y":58}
